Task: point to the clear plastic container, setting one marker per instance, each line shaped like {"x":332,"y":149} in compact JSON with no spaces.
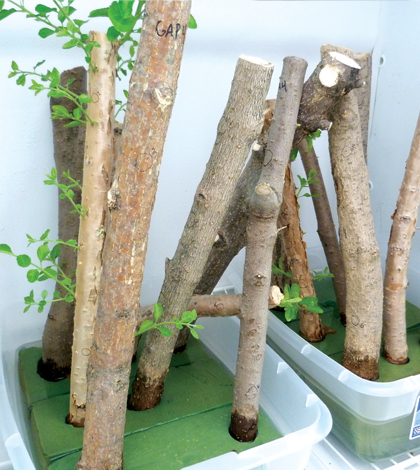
{"x":373,"y":419}
{"x":290,"y":405}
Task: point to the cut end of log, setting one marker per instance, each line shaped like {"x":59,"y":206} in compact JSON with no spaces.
{"x":276,"y":296}
{"x":328,"y":76}
{"x":345,"y":60}
{"x":243,"y":429}
{"x":256,"y":60}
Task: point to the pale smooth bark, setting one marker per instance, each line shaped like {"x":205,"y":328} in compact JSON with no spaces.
{"x":297,"y":260}
{"x":326,"y":229}
{"x":358,"y":242}
{"x":240,"y":125}
{"x":69,"y":146}
{"x":99,"y":151}
{"x":131,"y":198}
{"x":261,"y":236}
{"x":395,"y":282}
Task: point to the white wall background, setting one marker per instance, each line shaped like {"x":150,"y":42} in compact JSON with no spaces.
{"x":226,"y":29}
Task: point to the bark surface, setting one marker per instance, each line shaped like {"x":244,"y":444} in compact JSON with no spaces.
{"x":395,"y":282}
{"x":363,"y":93}
{"x":326,"y":229}
{"x":239,"y":126}
{"x":99,"y":152}
{"x":231,"y":236}
{"x":151,"y":97}
{"x":358,"y":242}
{"x":297,"y":260}
{"x":69,"y":147}
{"x":261,"y":236}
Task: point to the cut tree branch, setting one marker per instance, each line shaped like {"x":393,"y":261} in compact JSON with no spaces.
{"x":240,"y":125}
{"x":261,"y":236}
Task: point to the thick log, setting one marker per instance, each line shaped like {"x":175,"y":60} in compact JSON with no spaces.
{"x":69,"y":146}
{"x":358,"y":242}
{"x":395,"y":282}
{"x":261,"y":236}
{"x":240,"y":125}
{"x":99,"y":152}
{"x":131,"y":198}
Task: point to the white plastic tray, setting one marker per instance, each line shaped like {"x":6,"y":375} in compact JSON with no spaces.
{"x":292,"y":408}
{"x":367,"y":415}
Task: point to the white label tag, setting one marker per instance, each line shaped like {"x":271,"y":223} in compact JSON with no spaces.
{"x":415,"y":426}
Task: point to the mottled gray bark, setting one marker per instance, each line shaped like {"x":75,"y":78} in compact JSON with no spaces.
{"x":261,"y":236}
{"x":399,"y":246}
{"x":358,"y":242}
{"x":240,"y":125}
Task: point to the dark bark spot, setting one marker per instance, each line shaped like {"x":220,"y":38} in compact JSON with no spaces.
{"x":122,"y":313}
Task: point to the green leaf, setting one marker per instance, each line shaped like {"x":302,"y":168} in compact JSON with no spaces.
{"x":164,"y":331}
{"x":189,"y":316}
{"x":146,"y":326}
{"x":23,"y":261}
{"x":41,"y":306}
{"x":112,"y":34}
{"x":21,"y":80}
{"x":5,"y":249}
{"x":293,"y":154}
{"x":77,"y":113}
{"x":15,"y":66}
{"x":55,"y":78}
{"x":90,"y":45}
{"x":60,"y":112}
{"x":70,"y":44}
{"x":291,"y":312}
{"x":44,"y":9}
{"x":294,"y":291}
{"x":32,"y":275}
{"x":55,"y":252}
{"x":194,"y":333}
{"x":5,"y":13}
{"x":44,"y":236}
{"x":314,"y":308}
{"x":65,"y":11}
{"x":42,"y":252}
{"x":85,"y":98}
{"x":100,"y":12}
{"x":72,"y":27}
{"x":44,"y":294}
{"x":57,"y":94}
{"x":157,"y":311}
{"x":72,"y":124}
{"x":39,"y":63}
{"x":56,"y":294}
{"x":30,"y":298}
{"x":69,"y":298}
{"x":121,"y":17}
{"x":192,"y":23}
{"x":45,"y":32}
{"x":50,"y":273}
{"x":309,"y":300}
{"x":79,"y":23}
{"x":26,"y":308}
{"x":2,"y":4}
{"x":132,"y":50}
{"x":311,"y":174}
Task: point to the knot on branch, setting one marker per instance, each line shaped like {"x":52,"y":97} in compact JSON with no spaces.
{"x":264,"y":202}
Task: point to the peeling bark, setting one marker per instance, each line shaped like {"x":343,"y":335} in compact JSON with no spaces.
{"x":358,"y":242}
{"x":151,"y":97}
{"x":326,"y":229}
{"x":261,"y":236}
{"x":239,"y":126}
{"x":99,"y":151}
{"x":297,"y":260}
{"x":69,"y":144}
{"x":395,"y":282}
